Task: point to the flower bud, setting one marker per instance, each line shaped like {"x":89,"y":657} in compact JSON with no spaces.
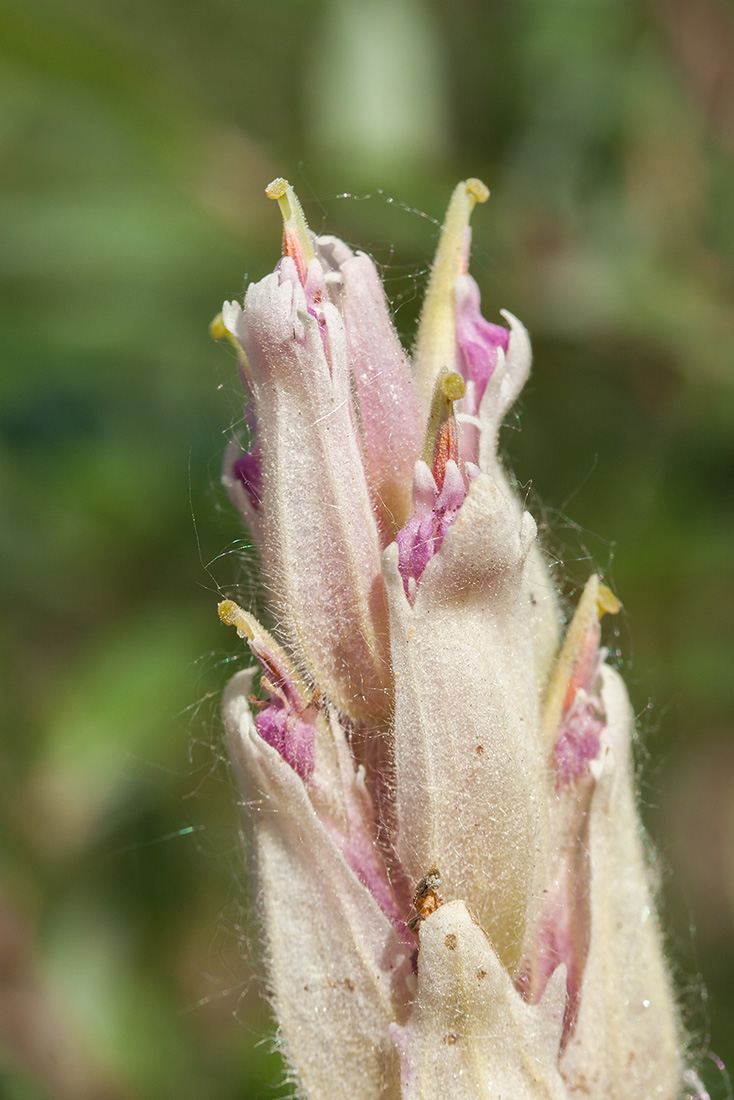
{"x":469,"y":763}
{"x":316,"y":531}
{"x":470,"y":1033}
{"x":387,"y":411}
{"x":335,"y":971}
{"x":626,"y":1040}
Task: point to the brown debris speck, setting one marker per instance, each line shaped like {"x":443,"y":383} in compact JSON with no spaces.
{"x":426,"y":898}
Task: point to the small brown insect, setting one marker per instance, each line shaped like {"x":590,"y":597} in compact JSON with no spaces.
{"x":426,"y":898}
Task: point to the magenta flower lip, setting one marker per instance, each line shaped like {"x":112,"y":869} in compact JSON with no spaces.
{"x":454,"y":888}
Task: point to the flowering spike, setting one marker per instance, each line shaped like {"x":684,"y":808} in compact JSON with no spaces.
{"x":435,"y":346}
{"x":451,"y":871}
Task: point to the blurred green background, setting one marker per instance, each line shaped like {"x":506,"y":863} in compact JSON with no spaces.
{"x":136,"y":139}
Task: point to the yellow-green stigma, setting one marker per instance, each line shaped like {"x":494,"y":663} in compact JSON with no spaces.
{"x":296,"y":236}
{"x":442,"y":438}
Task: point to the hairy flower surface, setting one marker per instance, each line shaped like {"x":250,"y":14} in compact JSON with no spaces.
{"x":453,"y":881}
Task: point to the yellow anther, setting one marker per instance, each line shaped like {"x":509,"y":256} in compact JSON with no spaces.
{"x":478,"y":190}
{"x":217,"y":330}
{"x":276,"y":664}
{"x":453,"y":386}
{"x":285,"y":196}
{"x":232,"y":614}
{"x":441,"y":440}
{"x":606,"y":602}
{"x":277,"y":189}
{"x":436,"y":341}
{"x":596,"y":600}
{"x":449,"y":387}
{"x":297,"y":240}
